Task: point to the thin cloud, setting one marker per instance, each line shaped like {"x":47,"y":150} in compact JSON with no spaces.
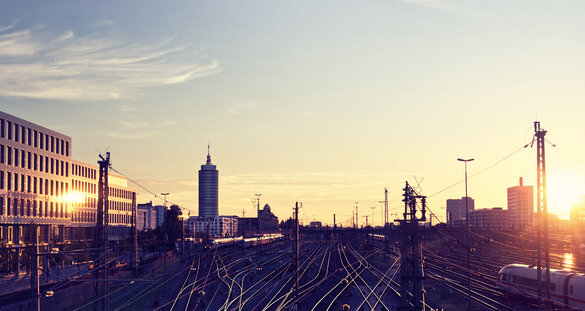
{"x":34,"y":64}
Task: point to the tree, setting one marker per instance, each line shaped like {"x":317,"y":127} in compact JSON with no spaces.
{"x":172,"y":225}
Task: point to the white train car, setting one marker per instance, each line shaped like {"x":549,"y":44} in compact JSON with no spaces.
{"x":377,"y":237}
{"x":261,"y":240}
{"x":566,"y":288}
{"x":224,"y":242}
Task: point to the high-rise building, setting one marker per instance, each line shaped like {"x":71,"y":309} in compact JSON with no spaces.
{"x":208,"y":189}
{"x":456,"y":213}
{"x":521,"y":205}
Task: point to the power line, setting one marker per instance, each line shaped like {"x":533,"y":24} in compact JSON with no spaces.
{"x":482,"y":171}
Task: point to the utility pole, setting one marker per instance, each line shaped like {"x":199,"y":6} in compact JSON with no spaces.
{"x":334,"y":223}
{"x":297,"y":253}
{"x":467,"y":235}
{"x":411,"y":269}
{"x":357,"y":219}
{"x":385,"y":207}
{"x":102,"y":232}
{"x":258,"y":212}
{"x":34,"y":279}
{"x":541,"y":221}
{"x":134,"y":237}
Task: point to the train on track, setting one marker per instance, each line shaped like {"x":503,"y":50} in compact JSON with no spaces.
{"x":245,"y":243}
{"x":567,"y":288}
{"x":378,"y":237}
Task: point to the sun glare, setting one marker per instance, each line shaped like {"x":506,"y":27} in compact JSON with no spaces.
{"x":75,"y":197}
{"x":564,"y":189}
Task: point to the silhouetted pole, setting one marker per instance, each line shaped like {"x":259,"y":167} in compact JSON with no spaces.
{"x":357,"y":219}
{"x":467,"y":234}
{"x":134,"y":237}
{"x":297,"y":254}
{"x":386,"y":207}
{"x":34,"y":279}
{"x":542,"y":219}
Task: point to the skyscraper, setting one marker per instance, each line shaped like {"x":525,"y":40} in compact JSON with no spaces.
{"x":208,"y":189}
{"x":521,"y":205}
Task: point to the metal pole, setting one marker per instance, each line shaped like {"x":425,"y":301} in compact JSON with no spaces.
{"x":467,"y":235}
{"x":35,"y":282}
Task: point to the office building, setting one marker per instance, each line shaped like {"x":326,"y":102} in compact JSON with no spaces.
{"x":40,"y":184}
{"x":496,"y":217}
{"x":456,"y":212}
{"x":212,"y":227}
{"x":521,"y":205}
{"x":155,"y":214}
{"x":208,"y":189}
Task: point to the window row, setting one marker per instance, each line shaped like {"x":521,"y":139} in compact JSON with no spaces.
{"x":33,"y":161}
{"x":32,"y":208}
{"x":28,"y":136}
{"x":31,"y":184}
{"x":120,"y":206}
{"x":82,"y":216}
{"x":83,"y":171}
{"x":120,"y":193}
{"x":90,"y":217}
{"x":83,"y":186}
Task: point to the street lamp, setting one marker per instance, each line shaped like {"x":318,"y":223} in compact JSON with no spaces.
{"x":467,"y":232}
{"x":258,"y":212}
{"x":165,"y":195}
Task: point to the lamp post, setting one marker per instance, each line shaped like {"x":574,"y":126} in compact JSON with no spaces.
{"x":467,"y":232}
{"x":165,"y":195}
{"x":258,"y":212}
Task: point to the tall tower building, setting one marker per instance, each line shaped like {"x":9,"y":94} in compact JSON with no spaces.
{"x":208,"y":189}
{"x":521,"y":205}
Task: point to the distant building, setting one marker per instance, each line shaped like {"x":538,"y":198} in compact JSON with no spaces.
{"x":266,"y":222}
{"x":315,"y":224}
{"x":521,"y":205}
{"x":496,"y":217}
{"x":456,"y":210}
{"x":213,"y":227}
{"x":155,"y":216}
{"x":208,"y":189}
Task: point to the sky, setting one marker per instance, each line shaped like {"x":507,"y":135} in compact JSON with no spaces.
{"x":323,"y":102}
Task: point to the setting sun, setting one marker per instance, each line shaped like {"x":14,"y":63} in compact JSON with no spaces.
{"x":564,"y":188}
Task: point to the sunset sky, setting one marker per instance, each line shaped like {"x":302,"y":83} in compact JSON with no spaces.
{"x":325,"y":102}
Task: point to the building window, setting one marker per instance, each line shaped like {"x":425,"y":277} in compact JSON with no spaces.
{"x":46,"y":164}
{"x":41,"y":208}
{"x":22,"y":183}
{"x":62,"y":168}
{"x":52,"y":144}
{"x":35,"y":185}
{"x":67,"y":148}
{"x":1,"y":179}
{"x":8,"y":206}
{"x":29,"y":160}
{"x":16,"y":134}
{"x":28,"y":184}
{"x":9,"y":130}
{"x":46,"y":142}
{"x":15,"y":182}
{"x":36,"y":138}
{"x":16,"y":153}
{"x":35,"y":161}
{"x":22,"y":136}
{"x":2,"y":202}
{"x":56,"y":167}
{"x":2,"y":156}
{"x":29,"y":137}
{"x":22,"y":158}
{"x":9,"y":181}
{"x":27,"y":207}
{"x":2,"y":131}
{"x":35,"y":208}
{"x":41,"y":140}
